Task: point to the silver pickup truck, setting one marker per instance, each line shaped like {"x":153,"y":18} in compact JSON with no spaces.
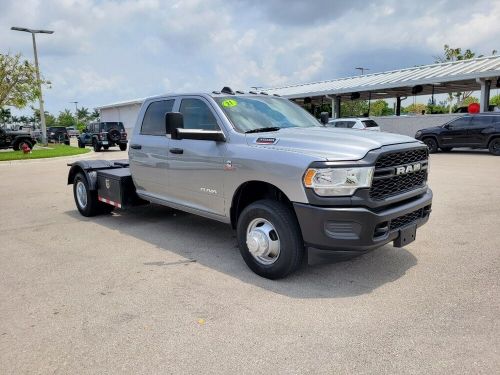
{"x":288,"y":185}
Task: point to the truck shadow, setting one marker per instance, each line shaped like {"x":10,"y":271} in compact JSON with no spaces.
{"x":213,"y":244}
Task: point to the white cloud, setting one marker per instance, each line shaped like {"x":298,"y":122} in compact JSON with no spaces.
{"x":104,"y":51}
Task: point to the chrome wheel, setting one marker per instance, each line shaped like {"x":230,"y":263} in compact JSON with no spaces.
{"x":263,"y":241}
{"x":81,"y":194}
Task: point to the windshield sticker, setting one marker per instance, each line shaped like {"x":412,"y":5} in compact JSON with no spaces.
{"x":229,"y":103}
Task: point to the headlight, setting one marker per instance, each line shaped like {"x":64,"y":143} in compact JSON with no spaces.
{"x":338,"y":181}
{"x":418,"y":134}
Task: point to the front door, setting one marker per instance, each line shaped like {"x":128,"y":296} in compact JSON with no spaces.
{"x":196,"y":167}
{"x":455,"y":132}
{"x":148,"y":151}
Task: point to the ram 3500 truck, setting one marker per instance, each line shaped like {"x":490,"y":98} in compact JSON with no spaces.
{"x":262,"y":164}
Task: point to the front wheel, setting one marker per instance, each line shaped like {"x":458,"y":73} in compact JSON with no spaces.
{"x":269,"y":239}
{"x":81,"y":144}
{"x":495,"y":146}
{"x":446,"y":149}
{"x":123,"y":147}
{"x":431,"y":145}
{"x":97,"y":146}
{"x":22,"y":144}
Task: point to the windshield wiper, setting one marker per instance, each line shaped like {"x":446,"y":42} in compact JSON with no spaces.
{"x":259,"y":130}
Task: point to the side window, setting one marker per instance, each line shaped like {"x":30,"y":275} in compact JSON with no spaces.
{"x":340,"y":124}
{"x":349,"y":124}
{"x":197,"y":115}
{"x":482,"y":121}
{"x":460,"y":123}
{"x":154,"y":118}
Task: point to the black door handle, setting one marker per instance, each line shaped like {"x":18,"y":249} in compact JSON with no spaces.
{"x":136,"y":147}
{"x":176,"y":150}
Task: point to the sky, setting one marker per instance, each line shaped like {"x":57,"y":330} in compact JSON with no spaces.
{"x":107,"y":51}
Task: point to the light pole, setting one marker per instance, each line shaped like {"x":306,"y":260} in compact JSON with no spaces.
{"x":42,"y":111}
{"x":76,"y":114}
{"x":362,"y":70}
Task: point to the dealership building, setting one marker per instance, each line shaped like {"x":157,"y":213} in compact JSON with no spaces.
{"x":479,"y":74}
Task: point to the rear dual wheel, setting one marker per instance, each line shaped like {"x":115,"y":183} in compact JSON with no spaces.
{"x":86,"y":199}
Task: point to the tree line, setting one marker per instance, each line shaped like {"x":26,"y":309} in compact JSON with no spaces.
{"x":65,"y":118}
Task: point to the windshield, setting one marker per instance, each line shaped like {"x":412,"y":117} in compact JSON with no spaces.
{"x":250,"y":113}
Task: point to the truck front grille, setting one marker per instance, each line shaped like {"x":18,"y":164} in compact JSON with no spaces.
{"x":385,"y":181}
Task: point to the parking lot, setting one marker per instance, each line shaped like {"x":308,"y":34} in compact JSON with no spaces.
{"x":153,"y":290}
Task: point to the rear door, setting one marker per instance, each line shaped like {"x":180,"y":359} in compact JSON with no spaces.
{"x":478,"y":129}
{"x":196,"y":171}
{"x":148,"y":151}
{"x":455,"y":132}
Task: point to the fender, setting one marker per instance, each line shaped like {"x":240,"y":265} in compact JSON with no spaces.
{"x":90,"y":167}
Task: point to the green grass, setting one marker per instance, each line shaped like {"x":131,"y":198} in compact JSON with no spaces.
{"x":52,"y":152}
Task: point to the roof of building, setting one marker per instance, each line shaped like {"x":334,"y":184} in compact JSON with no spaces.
{"x":122,"y":104}
{"x":446,"y":77}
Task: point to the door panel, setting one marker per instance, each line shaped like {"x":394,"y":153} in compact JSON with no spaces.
{"x":196,"y":176}
{"x":477,"y":132}
{"x":456,"y":132}
{"x":148,"y":151}
{"x":196,"y":167}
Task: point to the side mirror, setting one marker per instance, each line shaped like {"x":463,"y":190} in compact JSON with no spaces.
{"x":324,"y":117}
{"x":173,"y":121}
{"x":203,"y":135}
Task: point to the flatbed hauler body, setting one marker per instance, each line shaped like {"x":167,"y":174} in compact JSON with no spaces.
{"x":109,"y":185}
{"x":262,"y":164}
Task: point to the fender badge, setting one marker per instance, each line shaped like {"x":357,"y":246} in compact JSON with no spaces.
{"x":108,"y":184}
{"x":266,"y":141}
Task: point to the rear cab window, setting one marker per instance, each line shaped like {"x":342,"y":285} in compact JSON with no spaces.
{"x":153,"y":122}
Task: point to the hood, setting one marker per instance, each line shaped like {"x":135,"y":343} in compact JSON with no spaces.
{"x":328,"y":143}
{"x":18,"y":132}
{"x":431,"y":129}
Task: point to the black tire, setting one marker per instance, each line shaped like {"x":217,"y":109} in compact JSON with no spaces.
{"x":105,"y":147}
{"x":93,"y":206}
{"x":446,"y":149}
{"x":494,"y":146}
{"x":123,"y":147}
{"x":80,"y":144}
{"x":67,"y":143}
{"x":19,"y":145}
{"x":432,"y":145}
{"x":287,"y":232}
{"x":97,"y":146}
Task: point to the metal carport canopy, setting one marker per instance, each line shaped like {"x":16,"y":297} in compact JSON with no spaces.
{"x":462,"y":75}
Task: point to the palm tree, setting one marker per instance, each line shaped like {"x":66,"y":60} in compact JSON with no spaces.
{"x":83,"y":114}
{"x":95,"y":114}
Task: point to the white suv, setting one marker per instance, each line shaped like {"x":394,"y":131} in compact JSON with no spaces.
{"x":363,"y":123}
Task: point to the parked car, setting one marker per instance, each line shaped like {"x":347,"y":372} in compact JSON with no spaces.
{"x":58,"y":134}
{"x":101,"y":135}
{"x":264,"y":165}
{"x":15,"y":139}
{"x":481,"y":130}
{"x":362,"y":123}
{"x":72,"y":132}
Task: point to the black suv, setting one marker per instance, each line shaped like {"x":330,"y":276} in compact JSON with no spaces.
{"x":58,"y":134}
{"x":104,"y":135}
{"x":15,"y":139}
{"x":481,"y":130}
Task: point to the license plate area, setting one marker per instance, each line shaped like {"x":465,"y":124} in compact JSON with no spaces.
{"x":406,"y":235}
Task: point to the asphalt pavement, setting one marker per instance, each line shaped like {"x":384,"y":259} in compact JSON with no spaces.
{"x":157,"y":291}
